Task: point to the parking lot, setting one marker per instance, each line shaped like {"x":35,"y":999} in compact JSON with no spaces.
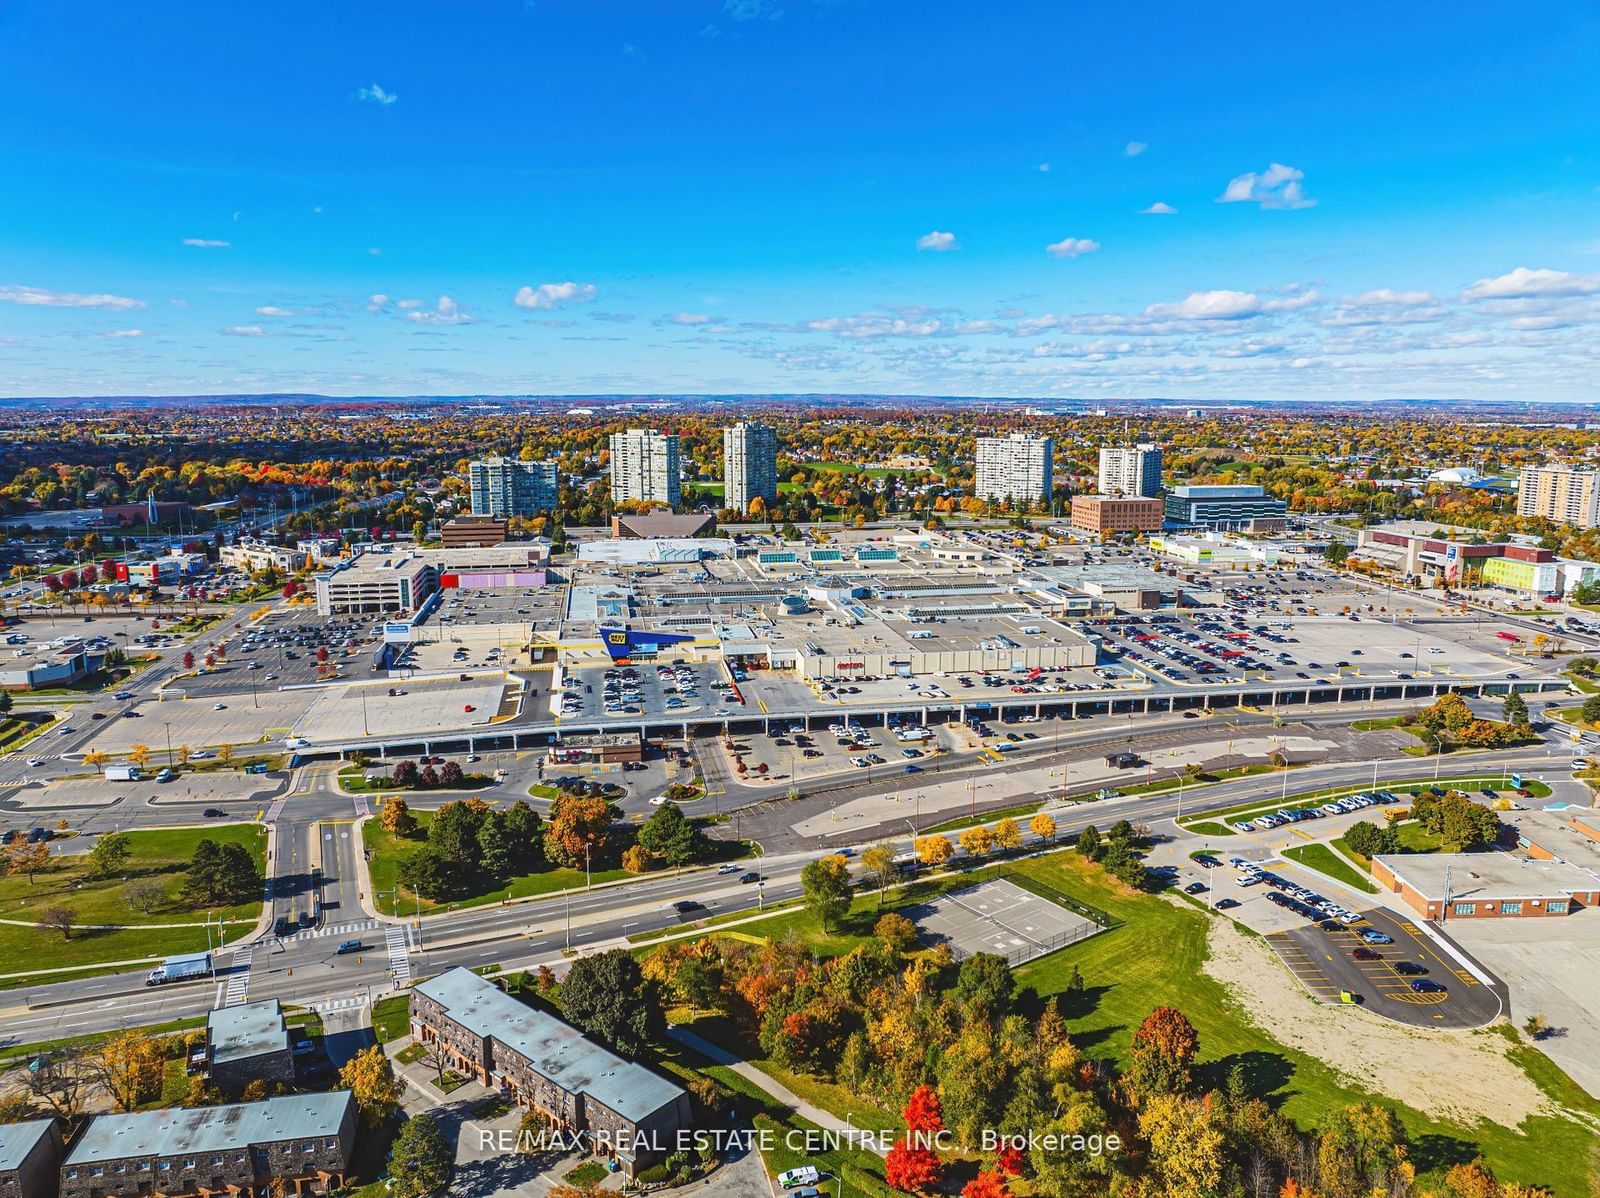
{"x":643,"y":690}
{"x":1002,"y":918}
{"x":291,"y":646}
{"x":1409,"y":978}
{"x":1234,"y":646}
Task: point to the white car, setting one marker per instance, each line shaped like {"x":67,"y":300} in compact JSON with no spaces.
{"x":219,"y":707}
{"x":658,"y":800}
{"x":201,"y":755}
{"x":35,"y":762}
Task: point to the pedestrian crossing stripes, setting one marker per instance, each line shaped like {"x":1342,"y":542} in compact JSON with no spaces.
{"x":363,"y":807}
{"x":274,"y":811}
{"x":337,"y":1004}
{"x":238,"y":976}
{"x":399,"y":962}
{"x":338,"y":929}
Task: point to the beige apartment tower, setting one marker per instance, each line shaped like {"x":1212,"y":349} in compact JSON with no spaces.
{"x":1560,"y":494}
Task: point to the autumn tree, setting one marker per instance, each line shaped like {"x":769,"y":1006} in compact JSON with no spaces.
{"x":934,"y":850}
{"x":912,"y":1165}
{"x":976,"y":842}
{"x":27,"y":857}
{"x":1007,"y":834}
{"x":58,"y":919}
{"x":574,"y":824}
{"x":879,"y":862}
{"x":1187,"y":1149}
{"x":1162,"y":1055}
{"x":128,"y":1067}
{"x":139,"y":755}
{"x":1362,"y":1149}
{"x":895,"y":932}
{"x":396,"y":817}
{"x":372,"y":1081}
{"x":1043,"y":826}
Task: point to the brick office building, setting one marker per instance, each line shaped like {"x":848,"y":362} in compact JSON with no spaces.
{"x":1445,"y":886}
{"x":301,"y":1143}
{"x":1109,"y":515}
{"x":545,"y":1064}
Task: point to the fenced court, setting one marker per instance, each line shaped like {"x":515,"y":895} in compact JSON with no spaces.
{"x":1002,"y":918}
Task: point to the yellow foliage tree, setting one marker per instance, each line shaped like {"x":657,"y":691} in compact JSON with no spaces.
{"x":934,"y":850}
{"x":1043,"y":826}
{"x":139,"y":755}
{"x":129,"y":1067}
{"x":1007,"y":834}
{"x":370,"y":1078}
{"x":977,"y":841}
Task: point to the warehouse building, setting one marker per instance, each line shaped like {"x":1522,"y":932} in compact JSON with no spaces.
{"x":1008,"y":644}
{"x":1445,"y":886}
{"x":539,"y":1062}
{"x":243,"y":1150}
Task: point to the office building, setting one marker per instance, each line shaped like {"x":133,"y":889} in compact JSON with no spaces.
{"x":294,"y":1144}
{"x":474,"y":532}
{"x":1134,"y":470}
{"x":1017,"y":467}
{"x":1109,"y":515}
{"x":644,"y":467}
{"x":1225,"y":507}
{"x":247,"y":1042}
{"x":1446,"y":886}
{"x":1560,"y":495}
{"x":30,"y":1159}
{"x":255,"y":556}
{"x":506,"y":487}
{"x":749,"y":465}
{"x":539,"y":1062}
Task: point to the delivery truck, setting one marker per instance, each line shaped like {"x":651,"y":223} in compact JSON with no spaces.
{"x":180,"y":969}
{"x":123,"y":773}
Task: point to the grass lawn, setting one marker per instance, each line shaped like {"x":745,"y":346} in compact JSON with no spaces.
{"x":388,"y":851}
{"x":1373,"y":725}
{"x":589,"y":1173}
{"x":1324,"y":860}
{"x":1020,"y":812}
{"x":1205,"y":779}
{"x":391,"y":1018}
{"x":160,"y":856}
{"x":1126,"y":975}
{"x":14,"y":1053}
{"x":411,"y":1054}
{"x":1586,"y":685}
{"x":18,"y":730}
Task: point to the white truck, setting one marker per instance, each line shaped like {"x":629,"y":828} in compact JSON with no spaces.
{"x":180,"y":969}
{"x":124,"y":773}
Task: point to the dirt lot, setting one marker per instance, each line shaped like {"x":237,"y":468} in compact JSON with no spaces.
{"x":1457,"y":1076}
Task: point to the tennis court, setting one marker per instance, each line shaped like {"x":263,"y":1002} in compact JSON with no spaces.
{"x":1002,"y":918}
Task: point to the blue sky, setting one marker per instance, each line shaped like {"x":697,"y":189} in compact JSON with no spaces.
{"x":1032,"y":199}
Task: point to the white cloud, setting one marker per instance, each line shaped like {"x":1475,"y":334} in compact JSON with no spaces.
{"x":445,"y":311}
{"x":205,"y":243}
{"x":1072,"y":247}
{"x":126,"y":333}
{"x":269,"y":310}
{"x":376,"y":95}
{"x":938,"y":242}
{"x":39,"y":297}
{"x":407,"y":305}
{"x":1210,"y":305}
{"x":1278,"y":186}
{"x":245,"y":330}
{"x":1044,"y":168}
{"x":374,"y":250}
{"x":751,"y":10}
{"x":376,"y":302}
{"x":1393,"y":298}
{"x":1159,"y":208}
{"x":1523,"y":283}
{"x":1134,"y":148}
{"x":690,"y":318}
{"x":552,"y":295}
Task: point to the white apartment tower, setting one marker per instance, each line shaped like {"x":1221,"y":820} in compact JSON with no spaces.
{"x":1560,"y":494}
{"x":1134,"y":471}
{"x":1017,"y":467}
{"x":749,"y":465}
{"x":644,"y":465}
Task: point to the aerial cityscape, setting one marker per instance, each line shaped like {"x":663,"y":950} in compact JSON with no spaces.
{"x":799,"y":599}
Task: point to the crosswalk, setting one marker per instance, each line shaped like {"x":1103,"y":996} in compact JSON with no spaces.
{"x":238,"y":976}
{"x":363,"y":806}
{"x":399,"y":961}
{"x":274,"y":811}
{"x":338,"y":929}
{"x":327,"y":1005}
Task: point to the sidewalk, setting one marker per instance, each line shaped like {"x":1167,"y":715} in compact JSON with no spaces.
{"x":762,"y":1081}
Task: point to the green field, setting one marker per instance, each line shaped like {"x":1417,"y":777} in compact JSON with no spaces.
{"x":1126,"y":974}
{"x":1373,"y":725}
{"x":160,"y":856}
{"x":388,"y":851}
{"x":391,"y":1017}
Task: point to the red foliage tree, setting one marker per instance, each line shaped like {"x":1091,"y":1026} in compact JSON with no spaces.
{"x":88,"y":576}
{"x":69,"y":579}
{"x":988,"y":1184}
{"x":291,"y":589}
{"x":188,"y":661}
{"x":1009,"y":1160}
{"x":911,"y":1167}
{"x":923,"y":1114}
{"x":52,"y":582}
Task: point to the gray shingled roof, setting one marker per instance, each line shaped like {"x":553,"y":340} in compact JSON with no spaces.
{"x":249,"y":1030}
{"x":210,"y":1128}
{"x":18,"y":1139}
{"x":557,"y":1050}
